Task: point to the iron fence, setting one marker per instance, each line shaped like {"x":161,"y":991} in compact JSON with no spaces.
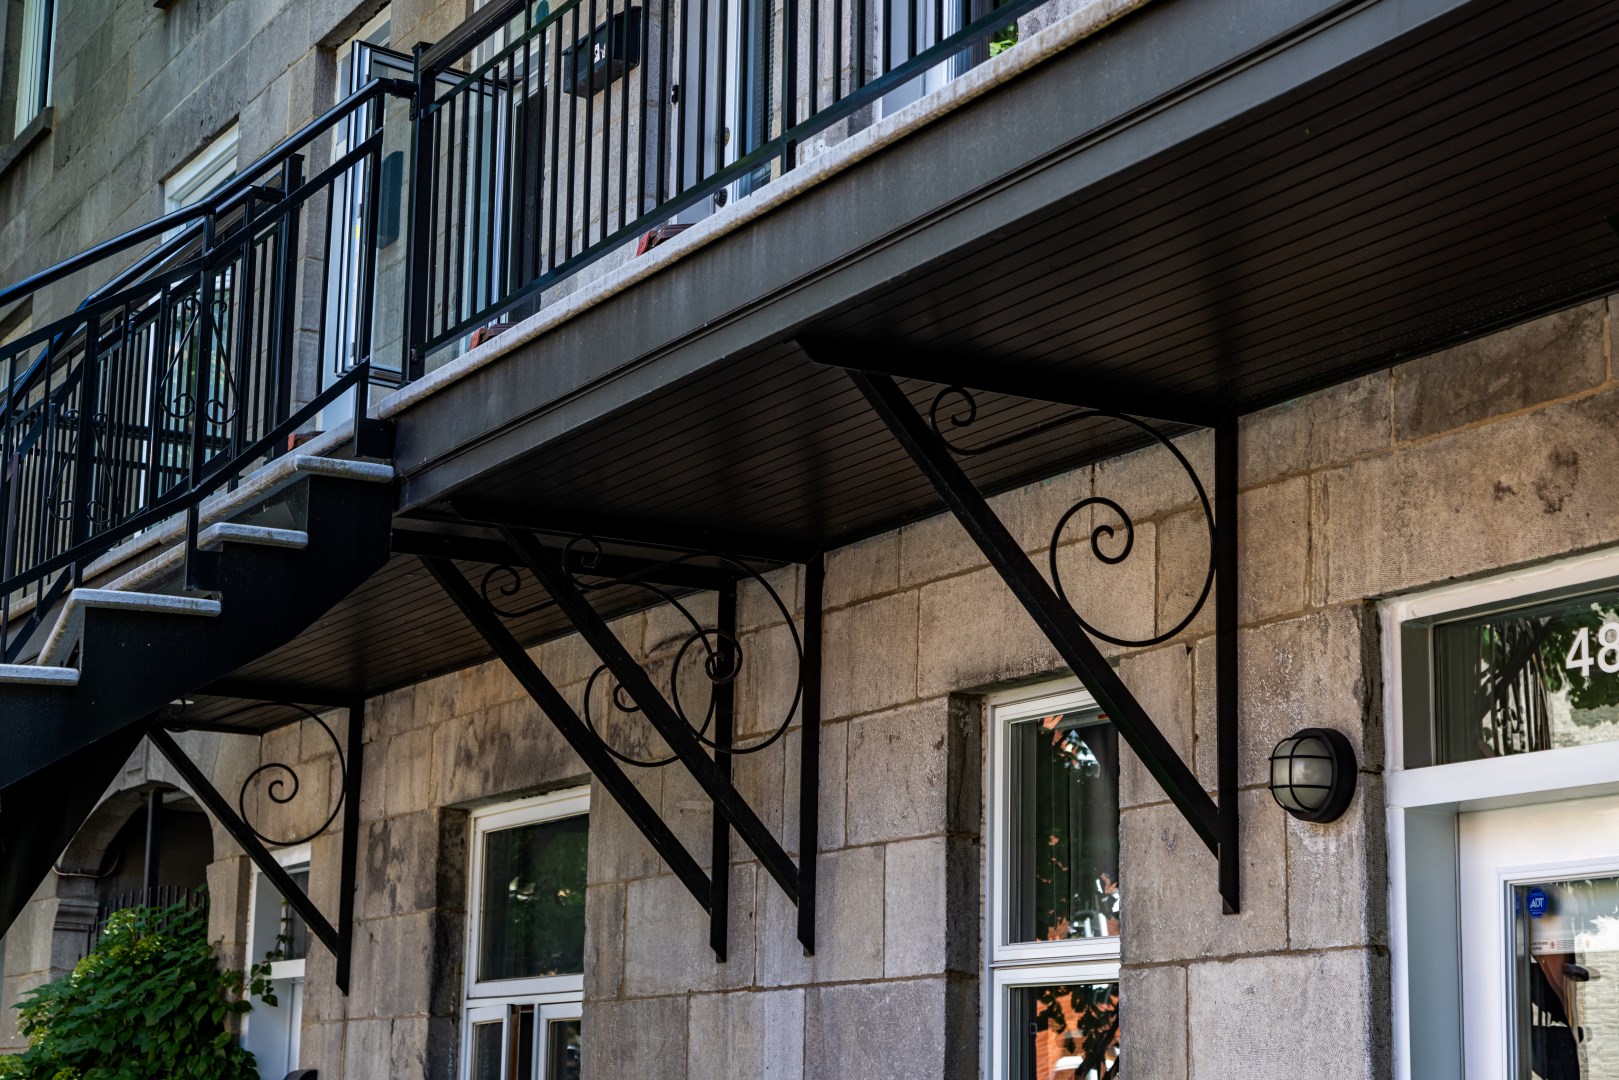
{"x":161,"y":896}
{"x":178,"y":376}
{"x":537,"y":139}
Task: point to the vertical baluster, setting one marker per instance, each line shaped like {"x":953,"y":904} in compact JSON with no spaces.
{"x":813,"y":104}
{"x":684,"y":106}
{"x":707,"y":141}
{"x":625,"y":41}
{"x":573,"y":134}
{"x":604,"y":192}
{"x":724,"y":137}
{"x":587,"y":176}
{"x":663,"y":88}
{"x":556,"y":135}
{"x":837,"y":51}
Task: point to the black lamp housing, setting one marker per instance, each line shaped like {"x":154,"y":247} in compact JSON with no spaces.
{"x":1312,"y":774}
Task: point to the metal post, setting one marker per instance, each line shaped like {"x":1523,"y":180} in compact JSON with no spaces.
{"x":1054,"y":617}
{"x":351,"y":843}
{"x":154,"y":844}
{"x":1225,"y":656}
{"x":809,"y":760}
{"x":724,"y":728}
{"x":419,"y":244}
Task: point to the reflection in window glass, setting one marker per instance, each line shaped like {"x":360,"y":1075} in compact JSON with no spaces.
{"x":1537,"y":678}
{"x":1567,"y":979}
{"x":1064,"y":857}
{"x":487,"y":1050}
{"x":1067,"y":1032}
{"x":562,"y":1057}
{"x":533,"y":918}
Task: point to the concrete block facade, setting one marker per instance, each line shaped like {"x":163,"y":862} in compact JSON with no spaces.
{"x":1491,"y":455}
{"x":917,"y":631}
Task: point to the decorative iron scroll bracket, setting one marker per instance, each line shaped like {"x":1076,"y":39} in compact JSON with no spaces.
{"x":1215,"y":824}
{"x":704,"y":749}
{"x":339,"y":938}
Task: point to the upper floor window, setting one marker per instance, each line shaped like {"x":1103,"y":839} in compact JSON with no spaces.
{"x":34,"y":60}
{"x":1054,"y":909}
{"x":210,"y":169}
{"x":526,"y":939}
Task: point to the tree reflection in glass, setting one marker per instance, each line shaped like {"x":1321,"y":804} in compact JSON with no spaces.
{"x":1064,"y":872}
{"x":533,"y":918}
{"x":1072,"y":1032}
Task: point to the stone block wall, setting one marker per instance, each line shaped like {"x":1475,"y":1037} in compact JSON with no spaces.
{"x":1455,"y":464}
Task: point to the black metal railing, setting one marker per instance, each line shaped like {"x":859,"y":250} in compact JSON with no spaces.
{"x":179,"y":375}
{"x":550,"y":135}
{"x":530,"y":142}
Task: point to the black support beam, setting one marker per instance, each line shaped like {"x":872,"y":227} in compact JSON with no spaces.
{"x":1054,"y":617}
{"x":584,"y":742}
{"x":1002,"y":376}
{"x":545,"y":566}
{"x":1225,"y":657}
{"x":336,"y":939}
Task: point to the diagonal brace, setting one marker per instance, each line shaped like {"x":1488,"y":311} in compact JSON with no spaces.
{"x":1054,"y":617}
{"x":599,"y":636}
{"x":336,"y":939}
{"x":573,"y":729}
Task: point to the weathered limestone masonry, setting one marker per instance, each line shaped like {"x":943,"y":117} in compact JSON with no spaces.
{"x":1490,"y":455}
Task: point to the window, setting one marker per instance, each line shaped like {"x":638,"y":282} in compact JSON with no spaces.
{"x":34,"y":60}
{"x":526,"y":939}
{"x":276,"y":931}
{"x":208,"y":170}
{"x":1054,"y":906}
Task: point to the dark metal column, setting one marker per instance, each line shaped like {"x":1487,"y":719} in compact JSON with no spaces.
{"x":1054,"y":617}
{"x":351,"y":842}
{"x":1225,"y":656}
{"x":809,"y":756}
{"x":154,"y":844}
{"x":724,"y":728}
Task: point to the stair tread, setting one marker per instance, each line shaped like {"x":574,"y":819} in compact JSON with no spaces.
{"x":211,"y":538}
{"x":218,"y":508}
{"x":38,"y":675}
{"x":70,"y":623}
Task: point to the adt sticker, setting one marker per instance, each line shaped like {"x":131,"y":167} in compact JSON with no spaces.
{"x":1536,"y":902}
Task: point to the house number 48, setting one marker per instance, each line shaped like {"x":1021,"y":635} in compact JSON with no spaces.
{"x":1607,"y":658}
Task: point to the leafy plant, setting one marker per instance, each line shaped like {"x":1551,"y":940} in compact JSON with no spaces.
{"x":149,"y":1000}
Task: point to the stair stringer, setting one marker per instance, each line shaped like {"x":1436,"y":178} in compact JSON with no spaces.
{"x":133,"y":663}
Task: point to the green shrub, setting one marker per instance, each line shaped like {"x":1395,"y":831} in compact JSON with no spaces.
{"x":150,"y":1001}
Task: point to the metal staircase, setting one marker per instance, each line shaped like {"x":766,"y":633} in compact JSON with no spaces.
{"x":116,"y":656}
{"x":161,"y":527}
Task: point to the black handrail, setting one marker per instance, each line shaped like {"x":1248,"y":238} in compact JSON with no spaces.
{"x":175,"y":377}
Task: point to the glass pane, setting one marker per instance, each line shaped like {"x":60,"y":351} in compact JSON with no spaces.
{"x":1065,"y":1032}
{"x":1064,"y":861}
{"x":562,"y":1056}
{"x":1533,"y":679}
{"x":533,"y":918}
{"x":294,"y":932}
{"x":523,"y":1034}
{"x":1567,"y":992}
{"x":487,"y":1050}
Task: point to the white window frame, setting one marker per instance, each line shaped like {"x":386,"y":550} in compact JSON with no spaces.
{"x":1423,"y":802}
{"x":555,"y":997}
{"x":287,"y":972}
{"x":1010,"y":965}
{"x":36,"y":62}
{"x":204,"y":173}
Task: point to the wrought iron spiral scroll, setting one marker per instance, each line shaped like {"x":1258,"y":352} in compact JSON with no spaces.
{"x":276,"y":787}
{"x":723,"y":654}
{"x":965,"y":414}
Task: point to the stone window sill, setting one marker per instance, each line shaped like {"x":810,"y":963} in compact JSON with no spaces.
{"x":36,"y":130}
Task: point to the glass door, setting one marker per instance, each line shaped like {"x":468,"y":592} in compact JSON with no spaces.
{"x":1539,"y":889}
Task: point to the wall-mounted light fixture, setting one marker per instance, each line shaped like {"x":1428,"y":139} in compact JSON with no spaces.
{"x":1312,"y":774}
